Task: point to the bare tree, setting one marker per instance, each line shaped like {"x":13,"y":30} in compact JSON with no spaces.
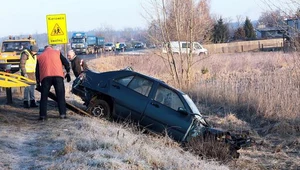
{"x":107,"y":32}
{"x":179,"y":20}
{"x":271,"y":18}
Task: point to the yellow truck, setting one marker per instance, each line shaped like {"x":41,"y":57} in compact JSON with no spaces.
{"x":10,"y":53}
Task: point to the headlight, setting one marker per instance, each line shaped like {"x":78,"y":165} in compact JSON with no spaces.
{"x":5,"y":55}
{"x":2,"y":61}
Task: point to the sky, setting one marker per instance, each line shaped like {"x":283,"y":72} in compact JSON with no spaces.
{"x":230,"y":9}
{"x":20,"y":17}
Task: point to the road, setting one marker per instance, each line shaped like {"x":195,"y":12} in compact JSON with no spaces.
{"x":131,"y":51}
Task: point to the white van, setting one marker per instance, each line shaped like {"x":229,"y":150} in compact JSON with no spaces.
{"x":184,"y":47}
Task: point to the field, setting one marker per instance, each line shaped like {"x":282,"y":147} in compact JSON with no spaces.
{"x":257,"y":92}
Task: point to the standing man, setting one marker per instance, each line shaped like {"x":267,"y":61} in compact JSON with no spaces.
{"x":28,"y":66}
{"x":78,"y":65}
{"x":118,"y":47}
{"x":50,"y":72}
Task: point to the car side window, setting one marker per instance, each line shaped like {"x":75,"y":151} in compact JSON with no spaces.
{"x":140,"y":85}
{"x":125,"y":80}
{"x":168,"y":98}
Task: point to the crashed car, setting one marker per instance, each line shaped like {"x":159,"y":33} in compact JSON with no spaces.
{"x":154,"y":105}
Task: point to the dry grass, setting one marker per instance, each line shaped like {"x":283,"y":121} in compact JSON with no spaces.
{"x":85,"y":143}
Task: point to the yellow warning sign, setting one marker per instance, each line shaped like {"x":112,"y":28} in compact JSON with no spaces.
{"x":57,"y":29}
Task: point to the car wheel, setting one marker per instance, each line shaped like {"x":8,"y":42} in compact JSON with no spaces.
{"x":101,"y":109}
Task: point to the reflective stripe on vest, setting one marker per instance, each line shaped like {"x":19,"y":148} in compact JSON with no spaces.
{"x":30,"y":63}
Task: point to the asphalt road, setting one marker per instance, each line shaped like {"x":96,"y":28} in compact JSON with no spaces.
{"x":130,"y":51}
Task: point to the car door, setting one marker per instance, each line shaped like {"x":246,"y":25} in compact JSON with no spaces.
{"x":161,"y":114}
{"x":131,"y":96}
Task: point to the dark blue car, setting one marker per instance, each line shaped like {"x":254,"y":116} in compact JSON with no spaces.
{"x":126,"y":94}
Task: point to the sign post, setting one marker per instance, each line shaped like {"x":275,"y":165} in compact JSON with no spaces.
{"x":57,"y":29}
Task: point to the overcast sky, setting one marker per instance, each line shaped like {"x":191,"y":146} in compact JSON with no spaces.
{"x":29,"y":17}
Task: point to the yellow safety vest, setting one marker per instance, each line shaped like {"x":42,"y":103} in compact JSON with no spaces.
{"x":30,"y":63}
{"x":117,"y":45}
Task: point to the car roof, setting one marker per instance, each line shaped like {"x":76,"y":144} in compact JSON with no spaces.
{"x":124,"y":72}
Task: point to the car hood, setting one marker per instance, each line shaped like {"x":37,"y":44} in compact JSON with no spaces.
{"x":198,"y":128}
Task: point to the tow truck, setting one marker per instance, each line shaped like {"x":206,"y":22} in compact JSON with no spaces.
{"x":10,"y":52}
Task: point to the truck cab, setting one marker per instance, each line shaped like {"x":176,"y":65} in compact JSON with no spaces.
{"x":10,"y":53}
{"x":79,"y":43}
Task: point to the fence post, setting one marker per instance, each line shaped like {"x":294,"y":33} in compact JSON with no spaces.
{"x":242,"y":48}
{"x":262,"y":47}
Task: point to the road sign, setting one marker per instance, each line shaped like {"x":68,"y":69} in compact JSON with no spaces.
{"x":57,"y":29}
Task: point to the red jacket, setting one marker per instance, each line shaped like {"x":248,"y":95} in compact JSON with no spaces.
{"x":50,"y":64}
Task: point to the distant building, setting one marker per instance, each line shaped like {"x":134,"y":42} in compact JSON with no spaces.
{"x":293,"y":28}
{"x":270,"y":32}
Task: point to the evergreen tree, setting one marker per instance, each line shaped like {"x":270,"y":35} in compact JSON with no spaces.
{"x":249,"y":30}
{"x":239,"y":34}
{"x":220,"y":32}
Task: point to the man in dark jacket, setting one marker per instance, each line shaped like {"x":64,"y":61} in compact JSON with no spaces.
{"x":28,"y":66}
{"x":77,"y":64}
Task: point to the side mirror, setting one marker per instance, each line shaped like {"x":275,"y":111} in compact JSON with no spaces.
{"x":182,"y":111}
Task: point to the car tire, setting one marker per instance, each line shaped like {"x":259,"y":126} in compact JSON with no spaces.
{"x":100,"y":108}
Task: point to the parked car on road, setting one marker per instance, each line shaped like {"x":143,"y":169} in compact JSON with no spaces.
{"x":41,"y":50}
{"x":139,"y":45}
{"x":184,"y":47}
{"x":156,"y":106}
{"x":123,"y":46}
{"x":109,"y":46}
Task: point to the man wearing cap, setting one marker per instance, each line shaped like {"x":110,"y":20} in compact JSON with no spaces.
{"x":28,"y":66}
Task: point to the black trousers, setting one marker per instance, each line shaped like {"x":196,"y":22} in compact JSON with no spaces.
{"x":59,"y":86}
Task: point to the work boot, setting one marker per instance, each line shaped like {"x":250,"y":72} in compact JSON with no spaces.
{"x":26,"y":104}
{"x":43,"y":118}
{"x":33,"y":104}
{"x":63,"y":116}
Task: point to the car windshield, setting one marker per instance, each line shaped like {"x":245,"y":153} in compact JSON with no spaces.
{"x":199,"y":118}
{"x":15,"y":46}
{"x":108,"y":44}
{"x":191,"y":104}
{"x":78,"y":40}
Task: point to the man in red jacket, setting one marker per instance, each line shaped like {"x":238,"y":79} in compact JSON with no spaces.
{"x":50,"y":72}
